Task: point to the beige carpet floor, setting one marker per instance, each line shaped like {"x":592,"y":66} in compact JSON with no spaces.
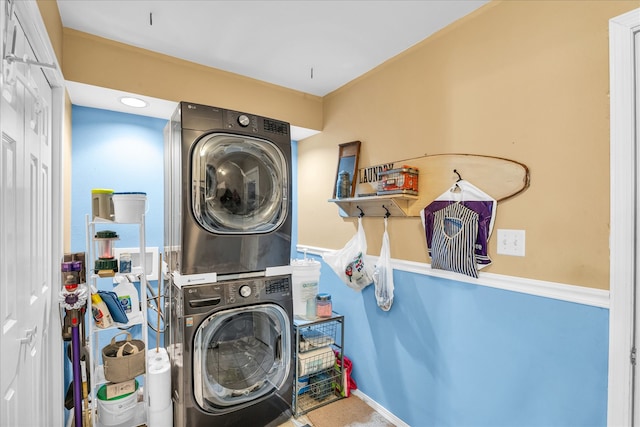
{"x":349,"y":412}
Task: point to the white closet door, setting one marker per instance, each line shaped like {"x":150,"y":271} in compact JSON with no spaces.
{"x":636,"y":371}
{"x":26,"y":265}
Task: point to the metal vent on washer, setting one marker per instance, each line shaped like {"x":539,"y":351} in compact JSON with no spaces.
{"x":276,"y":127}
{"x":280,"y":285}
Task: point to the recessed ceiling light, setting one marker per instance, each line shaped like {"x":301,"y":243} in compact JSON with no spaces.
{"x":133,"y":102}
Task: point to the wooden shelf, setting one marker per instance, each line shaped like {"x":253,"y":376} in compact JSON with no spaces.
{"x":374,"y":206}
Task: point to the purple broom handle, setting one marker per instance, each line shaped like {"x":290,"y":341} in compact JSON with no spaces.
{"x":77,"y":376}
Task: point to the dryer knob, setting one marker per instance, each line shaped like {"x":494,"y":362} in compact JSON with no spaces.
{"x":245,"y":291}
{"x":243,"y":120}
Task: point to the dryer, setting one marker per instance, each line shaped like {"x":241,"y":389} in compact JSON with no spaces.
{"x":230,"y":345}
{"x":227,"y":191}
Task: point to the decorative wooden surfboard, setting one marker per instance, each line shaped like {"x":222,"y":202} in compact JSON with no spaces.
{"x":500,"y":178}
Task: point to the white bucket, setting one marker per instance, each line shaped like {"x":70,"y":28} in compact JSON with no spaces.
{"x":305,"y":276}
{"x":117,"y":411}
{"x":129,"y":207}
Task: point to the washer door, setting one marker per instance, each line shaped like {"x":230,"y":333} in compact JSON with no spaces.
{"x":239,"y":184}
{"x":240,"y":355}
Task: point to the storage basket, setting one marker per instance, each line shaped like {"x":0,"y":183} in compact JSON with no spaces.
{"x":123,"y":360}
{"x":398,"y":181}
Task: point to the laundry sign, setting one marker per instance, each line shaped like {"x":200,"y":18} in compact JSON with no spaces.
{"x":368,"y":178}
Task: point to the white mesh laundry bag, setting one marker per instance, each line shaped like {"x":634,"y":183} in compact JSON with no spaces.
{"x":383,"y":274}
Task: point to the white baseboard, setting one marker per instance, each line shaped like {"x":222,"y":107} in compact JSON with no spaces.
{"x":380,"y":409}
{"x":559,"y":291}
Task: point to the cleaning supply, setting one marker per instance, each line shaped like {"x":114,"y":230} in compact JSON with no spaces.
{"x":128,"y":296}
{"x":100,"y":312}
{"x":305,"y":276}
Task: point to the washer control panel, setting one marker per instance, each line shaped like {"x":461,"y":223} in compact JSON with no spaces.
{"x":205,"y":297}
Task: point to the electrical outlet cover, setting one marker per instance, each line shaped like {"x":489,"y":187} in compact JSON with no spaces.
{"x":511,"y":242}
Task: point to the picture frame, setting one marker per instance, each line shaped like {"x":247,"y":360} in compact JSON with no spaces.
{"x":348,"y":154}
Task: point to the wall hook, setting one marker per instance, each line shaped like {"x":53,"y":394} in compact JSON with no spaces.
{"x":361,"y":212}
{"x":387,"y":214}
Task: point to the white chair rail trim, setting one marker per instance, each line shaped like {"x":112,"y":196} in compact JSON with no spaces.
{"x":560,"y":291}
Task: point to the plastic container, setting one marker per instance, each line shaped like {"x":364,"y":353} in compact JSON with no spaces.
{"x":323,"y":305}
{"x":100,"y":312}
{"x":117,"y":410}
{"x":125,"y":263}
{"x":129,"y":207}
{"x":305,"y":276}
{"x":128,"y":296}
{"x":102,"y":203}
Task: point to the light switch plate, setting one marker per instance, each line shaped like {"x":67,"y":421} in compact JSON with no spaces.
{"x":511,"y":242}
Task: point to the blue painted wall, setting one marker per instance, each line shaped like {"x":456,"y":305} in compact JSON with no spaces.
{"x":455,"y":354}
{"x":122,"y":152}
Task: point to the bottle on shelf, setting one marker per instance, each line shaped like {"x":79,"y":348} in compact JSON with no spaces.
{"x":100,"y":312}
{"x":128,"y":296}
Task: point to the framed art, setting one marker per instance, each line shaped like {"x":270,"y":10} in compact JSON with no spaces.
{"x":347,"y":162}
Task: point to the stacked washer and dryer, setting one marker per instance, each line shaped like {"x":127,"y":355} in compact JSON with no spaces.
{"x":227,"y":248}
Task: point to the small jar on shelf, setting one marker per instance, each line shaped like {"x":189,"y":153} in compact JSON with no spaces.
{"x":323,"y":305}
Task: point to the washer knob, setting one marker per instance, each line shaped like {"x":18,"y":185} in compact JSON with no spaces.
{"x":245,"y":291}
{"x":243,"y":120}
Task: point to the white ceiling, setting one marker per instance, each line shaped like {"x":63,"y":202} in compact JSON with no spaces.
{"x":313,"y":46}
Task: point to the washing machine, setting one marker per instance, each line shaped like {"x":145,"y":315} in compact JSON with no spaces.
{"x":227,"y":191}
{"x":231,"y":352}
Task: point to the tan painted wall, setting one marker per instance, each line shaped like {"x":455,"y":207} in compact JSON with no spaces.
{"x":53,"y":23}
{"x":524,"y":80}
{"x":105,"y":63}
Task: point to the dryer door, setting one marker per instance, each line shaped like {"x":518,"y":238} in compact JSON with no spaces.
{"x":239,"y":184}
{"x":240,"y":355}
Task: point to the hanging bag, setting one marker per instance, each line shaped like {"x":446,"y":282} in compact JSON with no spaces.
{"x":349,"y":263}
{"x":123,"y":360}
{"x":383,"y":274}
{"x":470,"y":196}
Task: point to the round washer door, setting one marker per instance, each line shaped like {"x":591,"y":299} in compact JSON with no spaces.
{"x":240,"y":355}
{"x":239,"y":184}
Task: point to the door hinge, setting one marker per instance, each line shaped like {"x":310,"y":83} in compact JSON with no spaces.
{"x":633,"y":356}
